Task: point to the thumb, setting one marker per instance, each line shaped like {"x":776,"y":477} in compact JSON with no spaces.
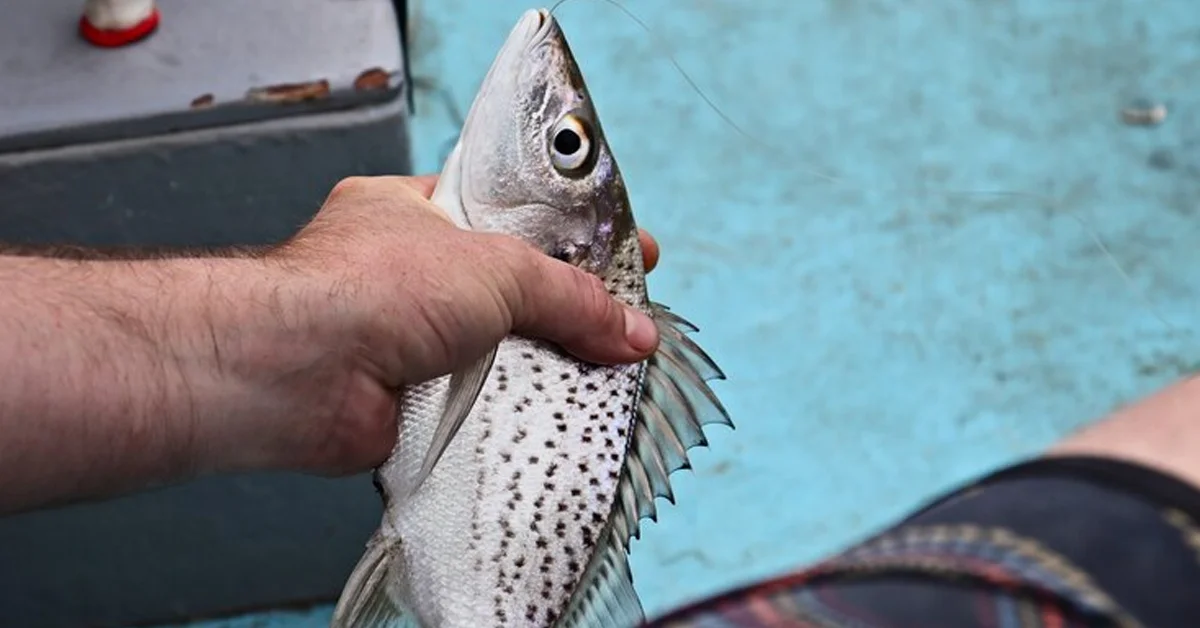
{"x":569,"y":307}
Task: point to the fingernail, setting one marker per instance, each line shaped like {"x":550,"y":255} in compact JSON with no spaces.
{"x":640,"y":331}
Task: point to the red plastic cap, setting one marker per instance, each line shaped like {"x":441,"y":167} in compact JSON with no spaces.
{"x":117,"y":37}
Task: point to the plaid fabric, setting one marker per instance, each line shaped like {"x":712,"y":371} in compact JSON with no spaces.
{"x":1039,"y":545}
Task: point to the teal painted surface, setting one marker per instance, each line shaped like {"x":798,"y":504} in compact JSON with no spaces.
{"x":884,"y":341}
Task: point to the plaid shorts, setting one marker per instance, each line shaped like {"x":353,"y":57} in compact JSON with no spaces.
{"x":1054,"y":542}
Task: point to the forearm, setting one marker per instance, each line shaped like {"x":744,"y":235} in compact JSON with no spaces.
{"x":120,"y":374}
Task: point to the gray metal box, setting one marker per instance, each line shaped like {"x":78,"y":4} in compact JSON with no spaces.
{"x":228,"y":126}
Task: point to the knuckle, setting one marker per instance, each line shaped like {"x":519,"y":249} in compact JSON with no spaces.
{"x":348,"y":186}
{"x":593,"y":295}
{"x":517,"y":256}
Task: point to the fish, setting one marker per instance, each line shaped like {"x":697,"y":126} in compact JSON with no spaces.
{"x":517,"y":484}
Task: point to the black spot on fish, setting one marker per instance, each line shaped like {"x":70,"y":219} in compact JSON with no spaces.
{"x":536,"y":368}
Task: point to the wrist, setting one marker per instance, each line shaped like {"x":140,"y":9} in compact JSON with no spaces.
{"x":251,"y":363}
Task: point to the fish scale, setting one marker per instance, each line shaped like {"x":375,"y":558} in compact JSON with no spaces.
{"x":517,"y":484}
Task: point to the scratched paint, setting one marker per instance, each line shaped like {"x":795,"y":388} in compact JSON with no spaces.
{"x":883,"y":342}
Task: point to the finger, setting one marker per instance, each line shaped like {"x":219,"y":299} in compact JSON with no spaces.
{"x":425,"y":184}
{"x":564,"y":305}
{"x":649,"y":250}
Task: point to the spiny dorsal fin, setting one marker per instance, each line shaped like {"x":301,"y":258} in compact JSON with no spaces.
{"x":675,"y":404}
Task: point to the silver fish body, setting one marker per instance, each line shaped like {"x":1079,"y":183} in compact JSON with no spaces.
{"x":515,"y":486}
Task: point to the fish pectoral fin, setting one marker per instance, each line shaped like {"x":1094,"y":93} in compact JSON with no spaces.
{"x":465,"y":387}
{"x":364,"y":602}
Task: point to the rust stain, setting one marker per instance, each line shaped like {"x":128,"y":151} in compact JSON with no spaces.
{"x":290,"y":92}
{"x":373,"y":78}
{"x":204,"y":100}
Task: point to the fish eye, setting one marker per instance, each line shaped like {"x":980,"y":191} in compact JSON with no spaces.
{"x":570,"y":145}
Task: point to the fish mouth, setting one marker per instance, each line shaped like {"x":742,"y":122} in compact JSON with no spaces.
{"x":534,"y":26}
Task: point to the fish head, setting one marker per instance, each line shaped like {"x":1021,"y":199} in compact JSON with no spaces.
{"x":532,"y":160}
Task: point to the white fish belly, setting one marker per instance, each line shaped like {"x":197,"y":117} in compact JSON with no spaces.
{"x":503,"y":529}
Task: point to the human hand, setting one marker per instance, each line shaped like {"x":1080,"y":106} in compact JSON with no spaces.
{"x":391,"y":293}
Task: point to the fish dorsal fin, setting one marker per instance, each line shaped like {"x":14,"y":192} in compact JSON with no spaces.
{"x":675,"y":404}
{"x":464,"y":390}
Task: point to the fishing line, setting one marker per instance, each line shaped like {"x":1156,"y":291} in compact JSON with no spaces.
{"x":948,"y":192}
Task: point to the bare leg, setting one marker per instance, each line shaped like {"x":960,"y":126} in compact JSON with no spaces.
{"x":1161,"y":431}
